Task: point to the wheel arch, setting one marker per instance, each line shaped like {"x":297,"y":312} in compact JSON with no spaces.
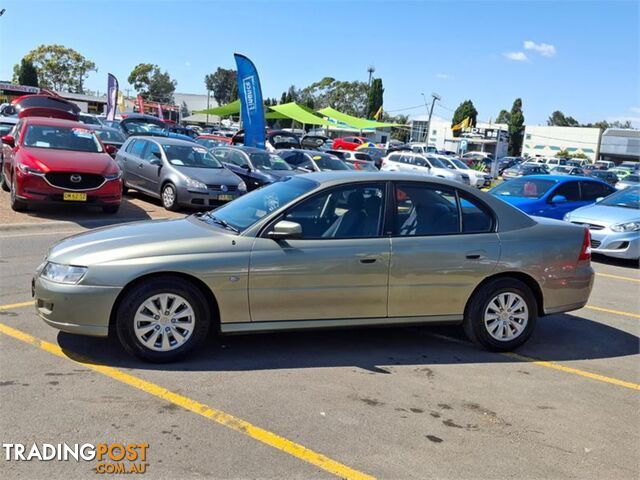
{"x":525,"y":278}
{"x":212,"y":302}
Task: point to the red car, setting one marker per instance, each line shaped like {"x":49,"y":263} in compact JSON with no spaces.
{"x":47,"y":160}
{"x":348,"y":143}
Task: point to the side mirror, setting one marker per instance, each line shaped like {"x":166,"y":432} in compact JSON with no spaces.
{"x":110,"y":149}
{"x":284,"y":230}
{"x":156,"y":161}
{"x":559,"y":199}
{"x":9,"y":140}
{"x":599,"y":199}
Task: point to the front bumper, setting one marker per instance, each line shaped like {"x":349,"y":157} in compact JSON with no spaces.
{"x":79,"y":309}
{"x":616,"y":244}
{"x":35,"y":189}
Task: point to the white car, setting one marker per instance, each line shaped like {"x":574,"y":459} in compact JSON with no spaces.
{"x":422,"y":148}
{"x":405,"y":161}
{"x":476,"y":178}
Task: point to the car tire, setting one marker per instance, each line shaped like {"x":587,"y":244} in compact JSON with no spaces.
{"x":17,"y":205}
{"x":3,"y":183}
{"x":111,"y":209}
{"x":134,"y":320}
{"x":501,"y":329}
{"x":125,"y":189}
{"x":169,"y":197}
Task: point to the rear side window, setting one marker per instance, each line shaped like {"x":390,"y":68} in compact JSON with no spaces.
{"x":594,"y":190}
{"x":569,"y":190}
{"x":136,"y":148}
{"x":476,"y":218}
{"x":425,"y":210}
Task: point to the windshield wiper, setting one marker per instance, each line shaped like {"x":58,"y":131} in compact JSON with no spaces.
{"x":217,"y":221}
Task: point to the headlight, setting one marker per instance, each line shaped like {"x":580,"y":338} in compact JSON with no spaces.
{"x":242,"y":187}
{"x":63,"y":273}
{"x":195,"y":185}
{"x":113,"y":176}
{"x":626,"y":227}
{"x":28,"y":170}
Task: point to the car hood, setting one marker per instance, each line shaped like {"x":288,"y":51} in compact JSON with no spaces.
{"x":210,"y":176}
{"x":148,"y":239}
{"x":604,"y":215}
{"x":49,"y":159}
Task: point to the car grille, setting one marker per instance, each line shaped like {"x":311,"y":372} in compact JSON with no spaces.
{"x":595,"y":243}
{"x":74,"y":180}
{"x":590,"y":226}
{"x":230,"y":188}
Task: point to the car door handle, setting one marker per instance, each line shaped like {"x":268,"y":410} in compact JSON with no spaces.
{"x":368,"y":260}
{"x":475,"y":255}
{"x":141,"y":165}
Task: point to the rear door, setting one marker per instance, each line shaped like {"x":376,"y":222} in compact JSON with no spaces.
{"x":443,"y":245}
{"x":132,"y":163}
{"x":591,"y":191}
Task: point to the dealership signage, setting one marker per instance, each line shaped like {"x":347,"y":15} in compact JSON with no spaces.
{"x":11,"y":87}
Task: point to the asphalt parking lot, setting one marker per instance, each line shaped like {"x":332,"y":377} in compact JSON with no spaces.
{"x":385,"y":403}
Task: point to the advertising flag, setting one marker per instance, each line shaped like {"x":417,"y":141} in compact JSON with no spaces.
{"x":252,"y":111}
{"x":112,"y":96}
{"x":121,"y":105}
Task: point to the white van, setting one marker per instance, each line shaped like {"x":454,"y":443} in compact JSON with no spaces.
{"x":405,"y":161}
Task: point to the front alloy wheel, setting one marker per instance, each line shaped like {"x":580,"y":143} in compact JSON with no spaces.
{"x":169,"y":197}
{"x":164,"y":322}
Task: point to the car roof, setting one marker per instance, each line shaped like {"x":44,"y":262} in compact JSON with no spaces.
{"x":167,"y":140}
{"x":563,"y":178}
{"x":54,"y":122}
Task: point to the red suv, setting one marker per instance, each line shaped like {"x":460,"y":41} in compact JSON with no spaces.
{"x":47,"y":159}
{"x":348,"y":143}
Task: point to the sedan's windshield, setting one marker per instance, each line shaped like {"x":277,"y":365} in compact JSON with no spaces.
{"x":524,"y":187}
{"x":248,"y":209}
{"x":62,"y":138}
{"x":627,"y":198}
{"x":328,"y":162}
{"x":460,"y":164}
{"x":268,"y":161}
{"x":190,"y":156}
{"x":146,"y":128}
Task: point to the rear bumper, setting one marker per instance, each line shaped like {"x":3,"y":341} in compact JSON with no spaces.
{"x":563,"y":293}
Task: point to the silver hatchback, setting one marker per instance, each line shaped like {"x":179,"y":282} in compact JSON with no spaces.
{"x":179,"y":172}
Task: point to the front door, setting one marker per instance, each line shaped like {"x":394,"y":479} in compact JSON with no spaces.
{"x":338,"y":269}
{"x":443,"y":246}
{"x":571,"y":192}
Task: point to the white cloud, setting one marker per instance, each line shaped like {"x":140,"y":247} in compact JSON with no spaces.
{"x":187,"y":63}
{"x":444,"y":76}
{"x":516,"y":56}
{"x":543,"y":49}
{"x":635,"y":109}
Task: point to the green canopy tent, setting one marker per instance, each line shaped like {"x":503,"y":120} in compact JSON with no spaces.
{"x":295,"y":112}
{"x":233,"y":108}
{"x":359,"y":123}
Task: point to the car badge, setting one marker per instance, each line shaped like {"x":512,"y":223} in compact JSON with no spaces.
{"x":75,"y":178}
{"x":224,"y":188}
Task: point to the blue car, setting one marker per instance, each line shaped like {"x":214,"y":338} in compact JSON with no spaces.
{"x":551,"y":196}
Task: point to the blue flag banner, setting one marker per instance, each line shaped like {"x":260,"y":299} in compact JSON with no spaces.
{"x":112,"y":97}
{"x":250,"y":94}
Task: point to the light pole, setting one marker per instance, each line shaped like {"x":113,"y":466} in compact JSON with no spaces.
{"x":208,"y":95}
{"x":435,"y":97}
{"x":371,"y":69}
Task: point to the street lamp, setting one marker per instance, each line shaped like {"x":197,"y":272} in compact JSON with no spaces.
{"x":371,"y":69}
{"x":435,"y":97}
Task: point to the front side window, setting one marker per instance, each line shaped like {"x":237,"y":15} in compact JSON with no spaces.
{"x":153,"y":152}
{"x":425,"y":210}
{"x":524,"y":187}
{"x":62,"y":138}
{"x":354,"y":211}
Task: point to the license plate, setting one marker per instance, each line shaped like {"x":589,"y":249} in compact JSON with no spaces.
{"x":74,"y":196}
{"x":225,"y":197}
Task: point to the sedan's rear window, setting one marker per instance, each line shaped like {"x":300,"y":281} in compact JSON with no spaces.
{"x":61,"y":138}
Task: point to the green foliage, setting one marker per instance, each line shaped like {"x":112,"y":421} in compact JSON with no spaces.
{"x":478,"y":165}
{"x":347,"y":97}
{"x":516,"y":128}
{"x":184,"y":110}
{"x":375,"y":98}
{"x":58,"y":68}
{"x":464,"y":110}
{"x":603,"y":124}
{"x":558,"y":119}
{"x":151,"y":83}
{"x":503,"y":117}
{"x":224,"y":85}
{"x":27,"y":73}
{"x":401,"y":134}
{"x":566,"y":154}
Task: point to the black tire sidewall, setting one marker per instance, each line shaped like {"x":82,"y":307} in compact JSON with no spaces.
{"x":173,"y":206}
{"x":16,"y":204}
{"x":132,"y":300}
{"x":474,"y":316}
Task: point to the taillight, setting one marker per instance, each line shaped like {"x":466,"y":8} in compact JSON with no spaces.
{"x":585,"y":251}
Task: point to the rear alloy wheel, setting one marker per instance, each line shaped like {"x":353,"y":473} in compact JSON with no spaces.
{"x":169,"y":197}
{"x":162,"y":320}
{"x":17,"y":205}
{"x":501,"y":315}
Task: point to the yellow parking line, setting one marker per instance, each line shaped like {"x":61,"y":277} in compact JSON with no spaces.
{"x":575,"y":371}
{"x":11,"y":306}
{"x":617,"y":312}
{"x":618,"y":277}
{"x":218,"y":416}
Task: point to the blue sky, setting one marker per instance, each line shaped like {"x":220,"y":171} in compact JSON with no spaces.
{"x":578,"y":57}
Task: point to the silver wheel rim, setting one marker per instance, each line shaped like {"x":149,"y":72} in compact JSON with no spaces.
{"x":164,"y":322}
{"x":168,"y":197}
{"x":506,"y":316}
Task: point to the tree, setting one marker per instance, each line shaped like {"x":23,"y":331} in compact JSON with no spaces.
{"x":58,"y":67}
{"x":503,"y":117}
{"x":603,"y":124}
{"x":347,"y":97}
{"x":401,"y":134}
{"x":558,"y":119}
{"x":184,"y":110}
{"x":27,"y":73}
{"x":464,"y":110}
{"x":151,"y":83}
{"x":375,"y":100}
{"x":223,"y":83}
{"x":516,"y":128}
{"x":565,"y":154}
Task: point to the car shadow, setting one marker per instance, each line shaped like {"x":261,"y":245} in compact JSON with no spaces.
{"x":556,"y":338}
{"x":616,"y":262}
